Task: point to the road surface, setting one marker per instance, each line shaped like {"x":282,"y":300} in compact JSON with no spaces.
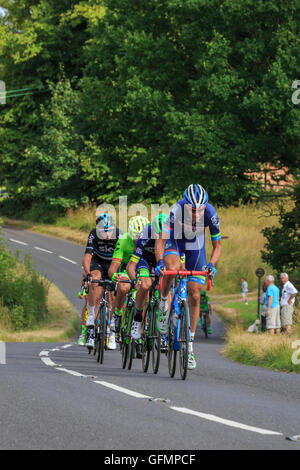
{"x":83,"y":405}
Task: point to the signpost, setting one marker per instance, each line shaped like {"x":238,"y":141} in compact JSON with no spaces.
{"x":259,"y":273}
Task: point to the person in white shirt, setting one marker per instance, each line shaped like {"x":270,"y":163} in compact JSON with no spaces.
{"x":287,"y":302}
{"x":244,"y":290}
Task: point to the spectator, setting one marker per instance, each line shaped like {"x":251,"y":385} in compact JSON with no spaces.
{"x":273,"y":306}
{"x":287,"y":302}
{"x":262,"y":301}
{"x":244,"y":290}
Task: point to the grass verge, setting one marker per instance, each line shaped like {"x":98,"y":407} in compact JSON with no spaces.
{"x":258,"y":349}
{"x":61,"y":325}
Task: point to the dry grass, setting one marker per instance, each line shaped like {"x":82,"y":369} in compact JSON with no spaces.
{"x":263,"y":350}
{"x":62,"y":323}
{"x":258,"y":349}
{"x":241,"y":252}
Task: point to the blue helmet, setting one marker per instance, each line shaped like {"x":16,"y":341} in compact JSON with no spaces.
{"x":105,"y":222}
{"x":195,"y":196}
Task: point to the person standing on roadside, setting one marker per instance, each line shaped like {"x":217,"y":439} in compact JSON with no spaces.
{"x":262,"y":301}
{"x":273,"y":306}
{"x":287,"y":302}
{"x":245,"y":290}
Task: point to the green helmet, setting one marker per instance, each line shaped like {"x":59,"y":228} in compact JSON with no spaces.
{"x":159,"y":222}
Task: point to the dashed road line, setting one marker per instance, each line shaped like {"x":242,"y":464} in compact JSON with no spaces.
{"x":43,"y":249}
{"x":132,"y":393}
{"x":226,"y":422}
{"x":67,"y":259}
{"x":18,"y":241}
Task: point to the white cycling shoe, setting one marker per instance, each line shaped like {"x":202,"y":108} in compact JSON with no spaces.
{"x":112,"y":342}
{"x":90,"y":344}
{"x":90,"y":320}
{"x":162,"y":318}
{"x":192,"y":364}
{"x":136,"y":329}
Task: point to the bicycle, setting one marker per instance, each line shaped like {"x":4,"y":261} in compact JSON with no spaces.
{"x":127,"y":344}
{"x":151,"y":338}
{"x":101,"y":333}
{"x":179,"y":334}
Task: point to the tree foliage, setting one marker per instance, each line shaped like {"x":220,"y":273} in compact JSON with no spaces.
{"x":153,"y":96}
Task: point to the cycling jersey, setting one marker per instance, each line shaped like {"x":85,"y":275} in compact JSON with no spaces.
{"x":181,"y":226}
{"x":101,"y":250}
{"x":187,"y":236}
{"x":145,"y":248}
{"x":123,"y":250}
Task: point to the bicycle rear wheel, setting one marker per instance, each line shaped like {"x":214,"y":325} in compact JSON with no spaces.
{"x":172,"y":353}
{"x":184,"y":340}
{"x":155,"y":341}
{"x":102,"y":336}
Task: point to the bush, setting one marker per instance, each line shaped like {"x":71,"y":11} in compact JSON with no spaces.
{"x":23,"y":293}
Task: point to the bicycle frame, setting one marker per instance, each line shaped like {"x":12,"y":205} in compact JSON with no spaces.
{"x":180,"y":295}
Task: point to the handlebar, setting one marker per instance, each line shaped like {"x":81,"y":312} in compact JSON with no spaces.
{"x":190,"y":273}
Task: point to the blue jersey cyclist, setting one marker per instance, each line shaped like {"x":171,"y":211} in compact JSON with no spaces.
{"x":184,"y":234}
{"x":143,"y":260}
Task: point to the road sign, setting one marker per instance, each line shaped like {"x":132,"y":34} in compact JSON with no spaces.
{"x":259,"y":272}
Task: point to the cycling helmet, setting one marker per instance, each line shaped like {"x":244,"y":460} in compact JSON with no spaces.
{"x":195,"y":196}
{"x":158,"y":222}
{"x":105,"y":222}
{"x":136,"y":225}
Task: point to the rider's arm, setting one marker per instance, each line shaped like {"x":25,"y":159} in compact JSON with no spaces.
{"x":113,"y":268}
{"x":160,"y":247}
{"x":86,"y":263}
{"x":216,"y":252}
{"x":131,"y":269}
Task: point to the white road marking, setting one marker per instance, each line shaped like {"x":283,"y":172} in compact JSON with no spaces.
{"x":44,"y":353}
{"x":48,"y":362}
{"x":43,"y":356}
{"x":42,"y":249}
{"x":121,"y":389}
{"x":226,"y":422}
{"x":17,"y":241}
{"x":71,"y":372}
{"x":69,"y":260}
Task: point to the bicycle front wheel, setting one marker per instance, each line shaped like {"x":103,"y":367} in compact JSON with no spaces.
{"x":155,"y":341}
{"x":172,"y":353}
{"x":184,"y":340}
{"x":146,"y":348}
{"x":102,"y":337}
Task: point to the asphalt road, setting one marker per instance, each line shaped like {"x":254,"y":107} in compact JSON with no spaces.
{"x":83,"y":405}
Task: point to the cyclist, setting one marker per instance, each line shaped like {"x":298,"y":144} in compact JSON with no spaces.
{"x":117,"y":271}
{"x":82,"y":337}
{"x":96,"y":261}
{"x":205,"y":309}
{"x":186,"y":231}
{"x":142,"y":261}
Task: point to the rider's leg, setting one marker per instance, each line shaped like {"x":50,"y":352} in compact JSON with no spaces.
{"x":94,"y":292}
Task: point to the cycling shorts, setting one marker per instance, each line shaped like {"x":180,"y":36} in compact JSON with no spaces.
{"x":102,"y":266}
{"x":195,"y":260}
